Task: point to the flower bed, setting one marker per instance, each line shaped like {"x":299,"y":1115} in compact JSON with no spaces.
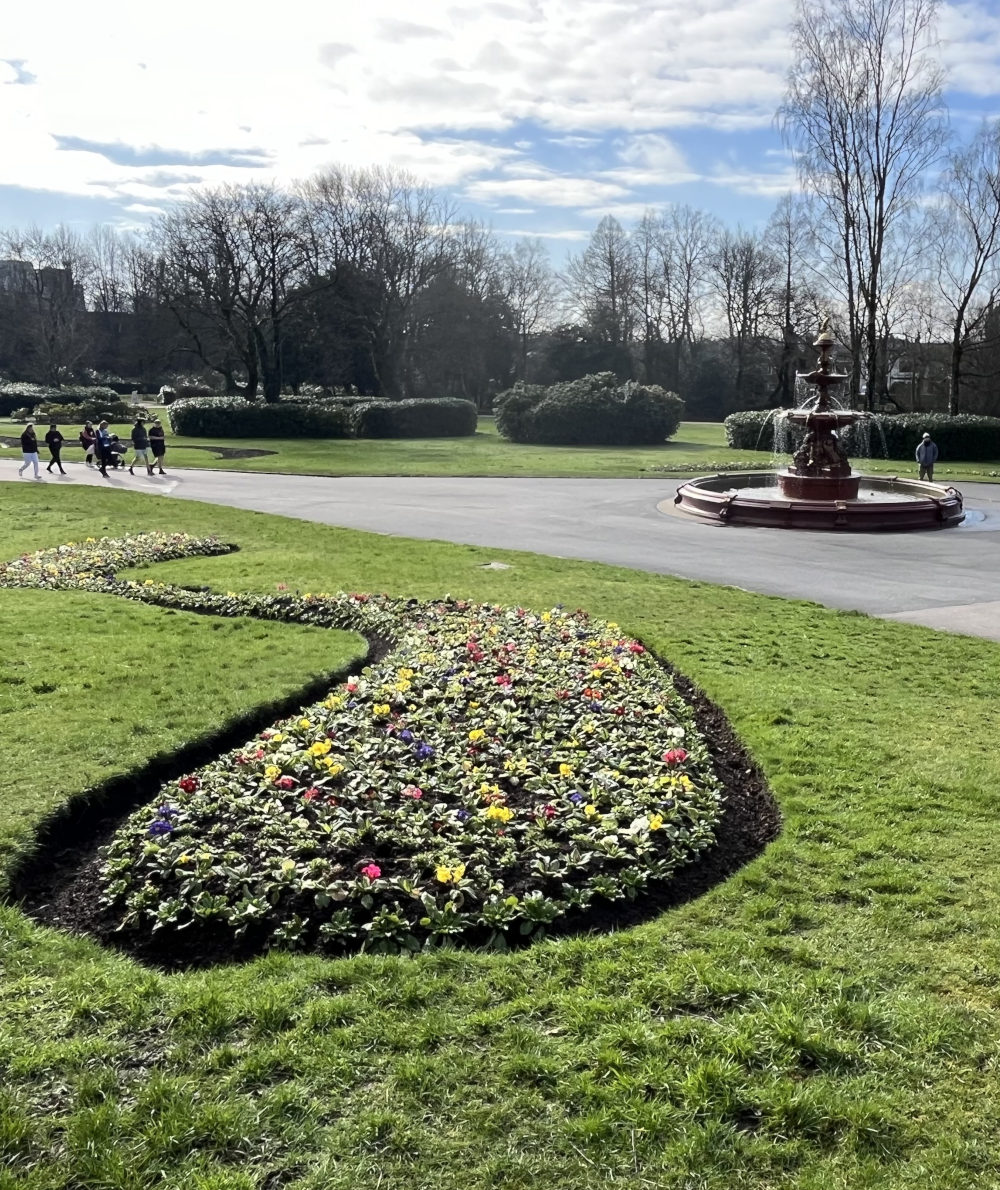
{"x":495,"y":771}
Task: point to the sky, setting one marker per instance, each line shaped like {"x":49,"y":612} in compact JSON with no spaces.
{"x":538,"y":117}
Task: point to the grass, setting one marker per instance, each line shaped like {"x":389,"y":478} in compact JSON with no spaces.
{"x":827,"y":1018}
{"x":697,"y":449}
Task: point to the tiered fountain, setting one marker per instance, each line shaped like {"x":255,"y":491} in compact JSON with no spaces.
{"x":820,"y":490}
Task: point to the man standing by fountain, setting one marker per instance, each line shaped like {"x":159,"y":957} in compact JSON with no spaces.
{"x":927,"y":453}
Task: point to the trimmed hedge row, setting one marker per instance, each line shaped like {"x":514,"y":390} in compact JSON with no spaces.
{"x":19,"y":395}
{"x":596,"y":410}
{"x":233,"y":417}
{"x":75,"y":415}
{"x":964,"y":438}
{"x":439,"y":417}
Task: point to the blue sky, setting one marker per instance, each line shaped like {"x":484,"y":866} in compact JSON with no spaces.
{"x":537,"y":116}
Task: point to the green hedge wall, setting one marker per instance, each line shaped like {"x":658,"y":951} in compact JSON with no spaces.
{"x":960,"y":439}
{"x":15,"y":394}
{"x":431,"y":417}
{"x":75,"y":415}
{"x":233,"y":417}
{"x":596,"y":410}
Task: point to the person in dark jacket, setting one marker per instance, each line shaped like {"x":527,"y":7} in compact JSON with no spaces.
{"x":927,"y":453}
{"x":103,"y":448}
{"x":54,"y":441}
{"x":140,"y":444}
{"x":117,"y":452}
{"x":88,"y":440}
{"x":157,"y":444}
{"x":29,"y":448}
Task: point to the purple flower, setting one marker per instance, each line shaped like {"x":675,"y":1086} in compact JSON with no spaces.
{"x":167,"y":811}
{"x":160,"y":827}
{"x":424,"y":751}
{"x":576,"y":798}
{"x":406,"y":736}
{"x":461,"y":815}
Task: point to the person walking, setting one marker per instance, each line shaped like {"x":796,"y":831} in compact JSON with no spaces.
{"x":54,"y":441}
{"x":140,"y":445}
{"x":103,"y":448}
{"x":927,"y":453}
{"x":88,"y":440}
{"x":29,"y":448}
{"x":157,"y":444}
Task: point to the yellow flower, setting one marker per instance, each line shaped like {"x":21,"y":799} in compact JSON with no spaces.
{"x":450,"y":875}
{"x":655,"y":822}
{"x":320,"y":748}
{"x":477,"y":734}
{"x":184,"y":859}
{"x":272,"y":772}
{"x":499,"y":813}
{"x":334,"y":702}
{"x":305,"y":724}
{"x":277,"y":738}
{"x":590,"y":810}
{"x":380,"y":710}
{"x":546,"y":617}
{"x":288,"y":865}
{"x":444,"y":875}
{"x":332,"y":767}
{"x":565,"y":770}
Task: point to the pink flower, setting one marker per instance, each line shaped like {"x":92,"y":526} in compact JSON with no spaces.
{"x":635,"y":647}
{"x":311,"y":794}
{"x":372,"y":871}
{"x":413,"y":791}
{"x":675,"y":756}
{"x":504,"y":680}
{"x":285,"y":782}
{"x":352,"y":686}
{"x":188,"y":784}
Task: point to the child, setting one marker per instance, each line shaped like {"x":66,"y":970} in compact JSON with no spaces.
{"x":54,"y":441}
{"x":118,"y":451}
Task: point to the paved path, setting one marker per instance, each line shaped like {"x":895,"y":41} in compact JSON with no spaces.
{"x":948,"y":579}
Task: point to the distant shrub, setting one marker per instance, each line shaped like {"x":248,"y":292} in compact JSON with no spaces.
{"x":16,"y":394}
{"x":437,"y":417}
{"x":233,"y":417}
{"x":76,"y":415}
{"x":961,"y":439}
{"x":597,"y":410}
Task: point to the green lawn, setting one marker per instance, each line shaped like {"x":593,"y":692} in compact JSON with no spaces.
{"x":827,"y":1018}
{"x":697,"y":449}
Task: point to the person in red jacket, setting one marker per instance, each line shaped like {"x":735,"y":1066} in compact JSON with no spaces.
{"x":88,"y":440}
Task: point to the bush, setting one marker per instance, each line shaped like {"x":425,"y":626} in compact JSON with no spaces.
{"x":15,"y":394}
{"x":438,"y":417}
{"x":964,"y":438}
{"x":596,"y":410}
{"x":76,"y":415}
{"x":233,"y":417}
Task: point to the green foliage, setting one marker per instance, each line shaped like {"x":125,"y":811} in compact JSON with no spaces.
{"x":964,"y":438}
{"x":95,"y":411}
{"x":430,"y":417}
{"x":16,"y":395}
{"x":594,"y":410}
{"x":233,"y":417}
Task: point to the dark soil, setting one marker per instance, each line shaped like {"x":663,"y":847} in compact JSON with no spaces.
{"x":59,"y":885}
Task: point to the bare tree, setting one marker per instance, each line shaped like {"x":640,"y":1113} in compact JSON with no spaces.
{"x":863,"y":109}
{"x":234,"y":262}
{"x":530,"y":289}
{"x":965,"y":227}
{"x":747,"y":279}
{"x":603,"y":284}
{"x":383,"y":237}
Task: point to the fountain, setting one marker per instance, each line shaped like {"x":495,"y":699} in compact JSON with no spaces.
{"x":820,"y":490}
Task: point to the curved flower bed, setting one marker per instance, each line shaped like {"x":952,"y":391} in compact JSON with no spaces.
{"x":496,"y":770}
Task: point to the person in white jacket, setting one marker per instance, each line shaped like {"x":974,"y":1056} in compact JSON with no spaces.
{"x":927,"y":453}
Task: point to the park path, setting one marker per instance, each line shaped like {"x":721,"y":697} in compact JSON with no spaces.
{"x":948,"y":580}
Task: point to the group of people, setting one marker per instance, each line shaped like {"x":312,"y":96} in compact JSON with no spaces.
{"x":102,"y":449}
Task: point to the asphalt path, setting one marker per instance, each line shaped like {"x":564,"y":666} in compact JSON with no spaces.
{"x":947,"y":579}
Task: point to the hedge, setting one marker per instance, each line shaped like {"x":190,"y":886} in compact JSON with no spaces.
{"x":75,"y":415}
{"x":233,"y":417}
{"x":963,"y":438}
{"x":431,"y":417}
{"x":16,"y":394}
{"x":595,"y":410}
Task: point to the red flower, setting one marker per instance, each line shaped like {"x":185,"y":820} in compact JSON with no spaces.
{"x":312,"y":793}
{"x":372,"y":871}
{"x":504,"y":680}
{"x":549,"y":811}
{"x":675,"y":756}
{"x":188,"y":784}
{"x":285,"y":782}
{"x":635,"y":647}
{"x":352,"y":686}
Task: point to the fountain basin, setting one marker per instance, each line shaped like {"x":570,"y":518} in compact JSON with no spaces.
{"x":818,"y":487}
{"x":881,"y":502}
